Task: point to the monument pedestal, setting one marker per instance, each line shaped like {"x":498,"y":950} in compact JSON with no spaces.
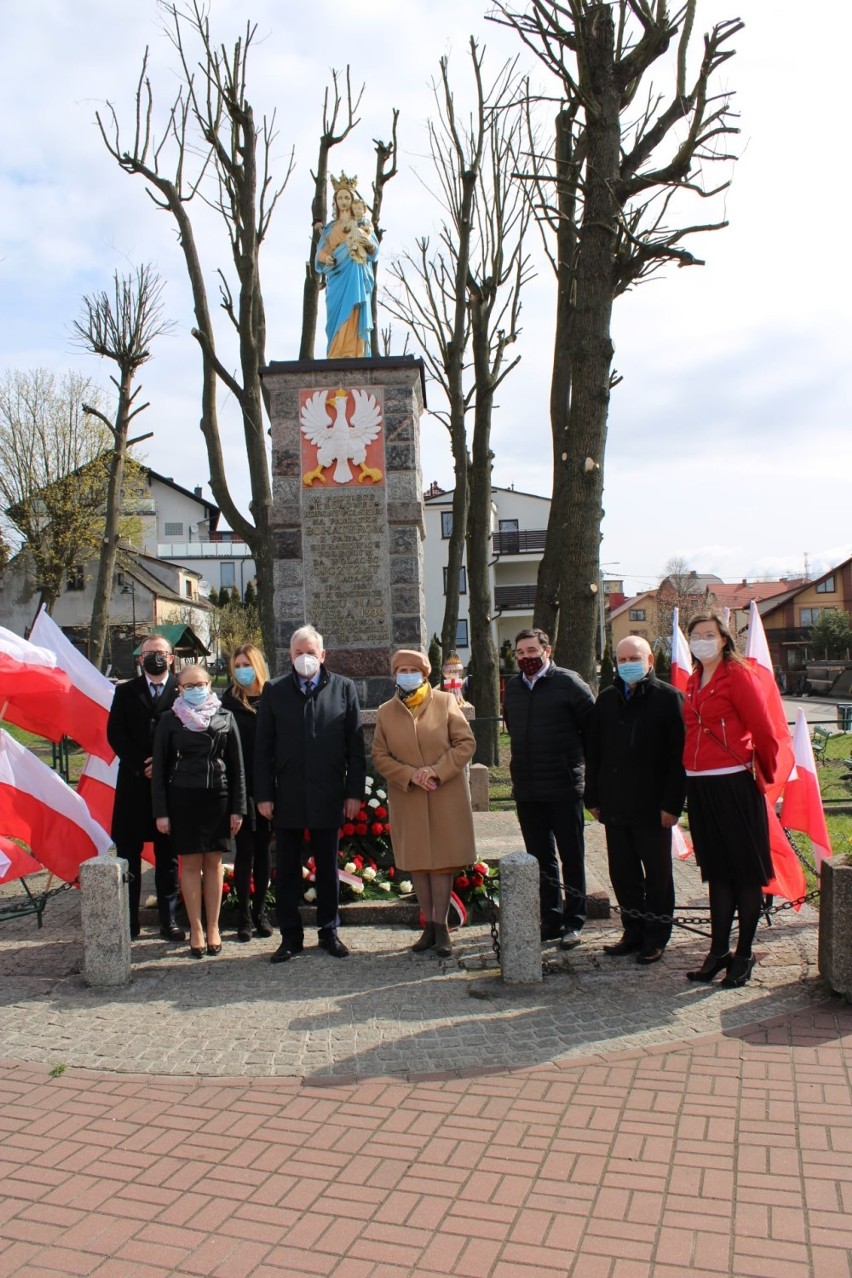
{"x":348,"y":511}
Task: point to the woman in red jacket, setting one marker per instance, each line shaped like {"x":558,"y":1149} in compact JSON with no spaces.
{"x":729,"y":739}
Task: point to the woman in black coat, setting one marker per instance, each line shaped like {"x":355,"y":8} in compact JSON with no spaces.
{"x":253,"y":859}
{"x":199,"y":796}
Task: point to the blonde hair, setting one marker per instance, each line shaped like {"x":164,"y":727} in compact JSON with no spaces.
{"x":257,"y":661}
{"x":193,"y":668}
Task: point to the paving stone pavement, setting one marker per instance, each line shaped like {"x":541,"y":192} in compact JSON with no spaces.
{"x":391,"y":1116}
{"x":382,"y":1011}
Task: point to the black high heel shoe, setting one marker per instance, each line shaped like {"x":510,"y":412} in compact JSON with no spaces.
{"x":739,"y":972}
{"x":711,"y":967}
{"x":214,"y":949}
{"x":196,"y":952}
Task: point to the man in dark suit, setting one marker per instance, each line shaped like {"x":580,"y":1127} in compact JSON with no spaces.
{"x":635,"y":786}
{"x":133,"y":717}
{"x":309,"y":774}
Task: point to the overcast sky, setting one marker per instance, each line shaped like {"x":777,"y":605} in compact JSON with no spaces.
{"x":729,"y":441}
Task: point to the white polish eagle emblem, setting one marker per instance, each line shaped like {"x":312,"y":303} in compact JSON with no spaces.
{"x":339,"y":440}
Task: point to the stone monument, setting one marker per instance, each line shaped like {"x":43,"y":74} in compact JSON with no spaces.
{"x":348,"y":511}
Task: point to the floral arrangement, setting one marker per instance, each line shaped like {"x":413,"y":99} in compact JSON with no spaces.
{"x":475,"y":885}
{"x":365,"y":861}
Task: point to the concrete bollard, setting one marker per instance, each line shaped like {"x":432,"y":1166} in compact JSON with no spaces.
{"x":478,"y":778}
{"x":106,"y":921}
{"x":834,"y":947}
{"x":520,"y":920}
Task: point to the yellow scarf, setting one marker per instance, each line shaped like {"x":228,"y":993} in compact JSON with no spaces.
{"x":413,"y":701}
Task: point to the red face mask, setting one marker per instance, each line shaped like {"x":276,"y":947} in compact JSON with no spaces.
{"x":530,"y":665}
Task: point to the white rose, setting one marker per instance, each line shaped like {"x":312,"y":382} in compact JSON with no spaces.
{"x":374,"y":803}
{"x":306,"y":874}
{"x":368,"y":781}
{"x":386,"y":887}
{"x":405,"y":887}
{"x":382,"y":794}
{"x":311,"y":894}
{"x":368,"y":873}
{"x":357,"y":887}
{"x":350,"y":867}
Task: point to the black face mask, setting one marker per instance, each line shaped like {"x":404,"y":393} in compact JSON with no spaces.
{"x":154,"y":663}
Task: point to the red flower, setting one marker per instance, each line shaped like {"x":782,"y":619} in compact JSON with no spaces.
{"x":359,"y":861}
{"x":306,"y":835}
{"x":226,"y":889}
{"x":462,"y":883}
{"x":381,"y":813}
{"x":387,"y":828}
{"x":391,"y":872}
{"x":348,"y":830}
{"x":481,"y":867}
{"x":376,"y":828}
{"x":477,"y":879}
{"x":361,"y":829}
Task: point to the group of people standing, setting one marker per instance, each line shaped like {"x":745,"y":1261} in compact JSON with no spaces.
{"x":634,"y":757}
{"x":200,"y":776}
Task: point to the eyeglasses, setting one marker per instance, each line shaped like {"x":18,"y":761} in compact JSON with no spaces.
{"x":195,"y":685}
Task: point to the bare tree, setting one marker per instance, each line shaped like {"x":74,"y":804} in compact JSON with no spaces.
{"x":624,"y":155}
{"x":120,"y":327}
{"x":334,"y":131}
{"x":212,"y":124}
{"x":53,"y":471}
{"x":461,"y":302}
{"x":679,"y":588}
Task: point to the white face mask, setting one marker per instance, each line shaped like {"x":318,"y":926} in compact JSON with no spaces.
{"x":306,"y":664}
{"x":705,"y":649}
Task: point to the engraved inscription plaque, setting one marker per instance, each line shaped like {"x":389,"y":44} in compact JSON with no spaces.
{"x":345,"y":546}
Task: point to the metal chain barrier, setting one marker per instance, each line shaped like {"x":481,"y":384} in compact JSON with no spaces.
{"x":686,"y":922}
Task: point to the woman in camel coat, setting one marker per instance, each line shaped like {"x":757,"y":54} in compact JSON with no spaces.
{"x":421,"y":747}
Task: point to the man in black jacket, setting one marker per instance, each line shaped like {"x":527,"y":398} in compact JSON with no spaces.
{"x":134,"y":714}
{"x":547,"y":711}
{"x":635,"y":786}
{"x":310,"y":770}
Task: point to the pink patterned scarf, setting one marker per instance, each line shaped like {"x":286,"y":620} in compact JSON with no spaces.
{"x":197,"y":719}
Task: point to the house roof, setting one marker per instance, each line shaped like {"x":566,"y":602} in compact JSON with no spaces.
{"x":740,"y":594}
{"x":214,"y":510}
{"x":771,"y":604}
{"x":631,"y":603}
{"x":179,"y":636}
{"x":444,"y":497}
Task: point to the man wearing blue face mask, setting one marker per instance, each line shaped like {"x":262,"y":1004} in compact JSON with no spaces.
{"x":635,"y":786}
{"x":309,"y":774}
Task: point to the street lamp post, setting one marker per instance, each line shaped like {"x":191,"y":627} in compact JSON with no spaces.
{"x":129,"y":588}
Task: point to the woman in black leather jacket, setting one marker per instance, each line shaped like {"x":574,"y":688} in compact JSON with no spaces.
{"x":199,"y":796}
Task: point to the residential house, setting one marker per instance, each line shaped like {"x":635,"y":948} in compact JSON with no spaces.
{"x":787,"y":620}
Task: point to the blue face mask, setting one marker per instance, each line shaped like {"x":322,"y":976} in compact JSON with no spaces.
{"x":631,"y":671}
{"x":409,"y":682}
{"x":196,"y":696}
{"x":244,"y":676}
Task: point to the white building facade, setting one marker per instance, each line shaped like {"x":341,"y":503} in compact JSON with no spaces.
{"x":518,"y":530}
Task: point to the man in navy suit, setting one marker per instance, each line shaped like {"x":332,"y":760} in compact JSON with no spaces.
{"x":133,"y":717}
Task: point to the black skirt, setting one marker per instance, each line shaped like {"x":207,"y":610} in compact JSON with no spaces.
{"x":729,"y":828}
{"x":200,"y":821}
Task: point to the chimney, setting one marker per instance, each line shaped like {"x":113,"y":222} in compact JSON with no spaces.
{"x":197,"y":491}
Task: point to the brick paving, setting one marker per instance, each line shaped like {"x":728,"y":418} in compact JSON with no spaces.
{"x":392,"y":1116}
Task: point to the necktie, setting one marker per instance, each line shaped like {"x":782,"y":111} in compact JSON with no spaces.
{"x":156,"y":689}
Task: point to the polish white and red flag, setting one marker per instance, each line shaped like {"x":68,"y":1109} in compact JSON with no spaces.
{"x":681,"y":656}
{"x":96,"y":788}
{"x":91,"y":693}
{"x":40,"y":809}
{"x":16,"y":862}
{"x":757,"y":655}
{"x":34,"y":688}
{"x":802,"y":806}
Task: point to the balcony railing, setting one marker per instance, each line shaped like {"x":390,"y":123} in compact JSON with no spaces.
{"x":203,"y":550}
{"x":522,"y":542}
{"x":514,"y":598}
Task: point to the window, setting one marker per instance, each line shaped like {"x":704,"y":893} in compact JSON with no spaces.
{"x":826,"y":587}
{"x":510,"y":537}
{"x":446,"y":524}
{"x":462,"y":581}
{"x":187,"y":588}
{"x":811,"y":615}
{"x":461,"y":633}
{"x":173,"y":530}
{"x":637,"y":614}
{"x":76,"y":578}
{"x":229,"y":574}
